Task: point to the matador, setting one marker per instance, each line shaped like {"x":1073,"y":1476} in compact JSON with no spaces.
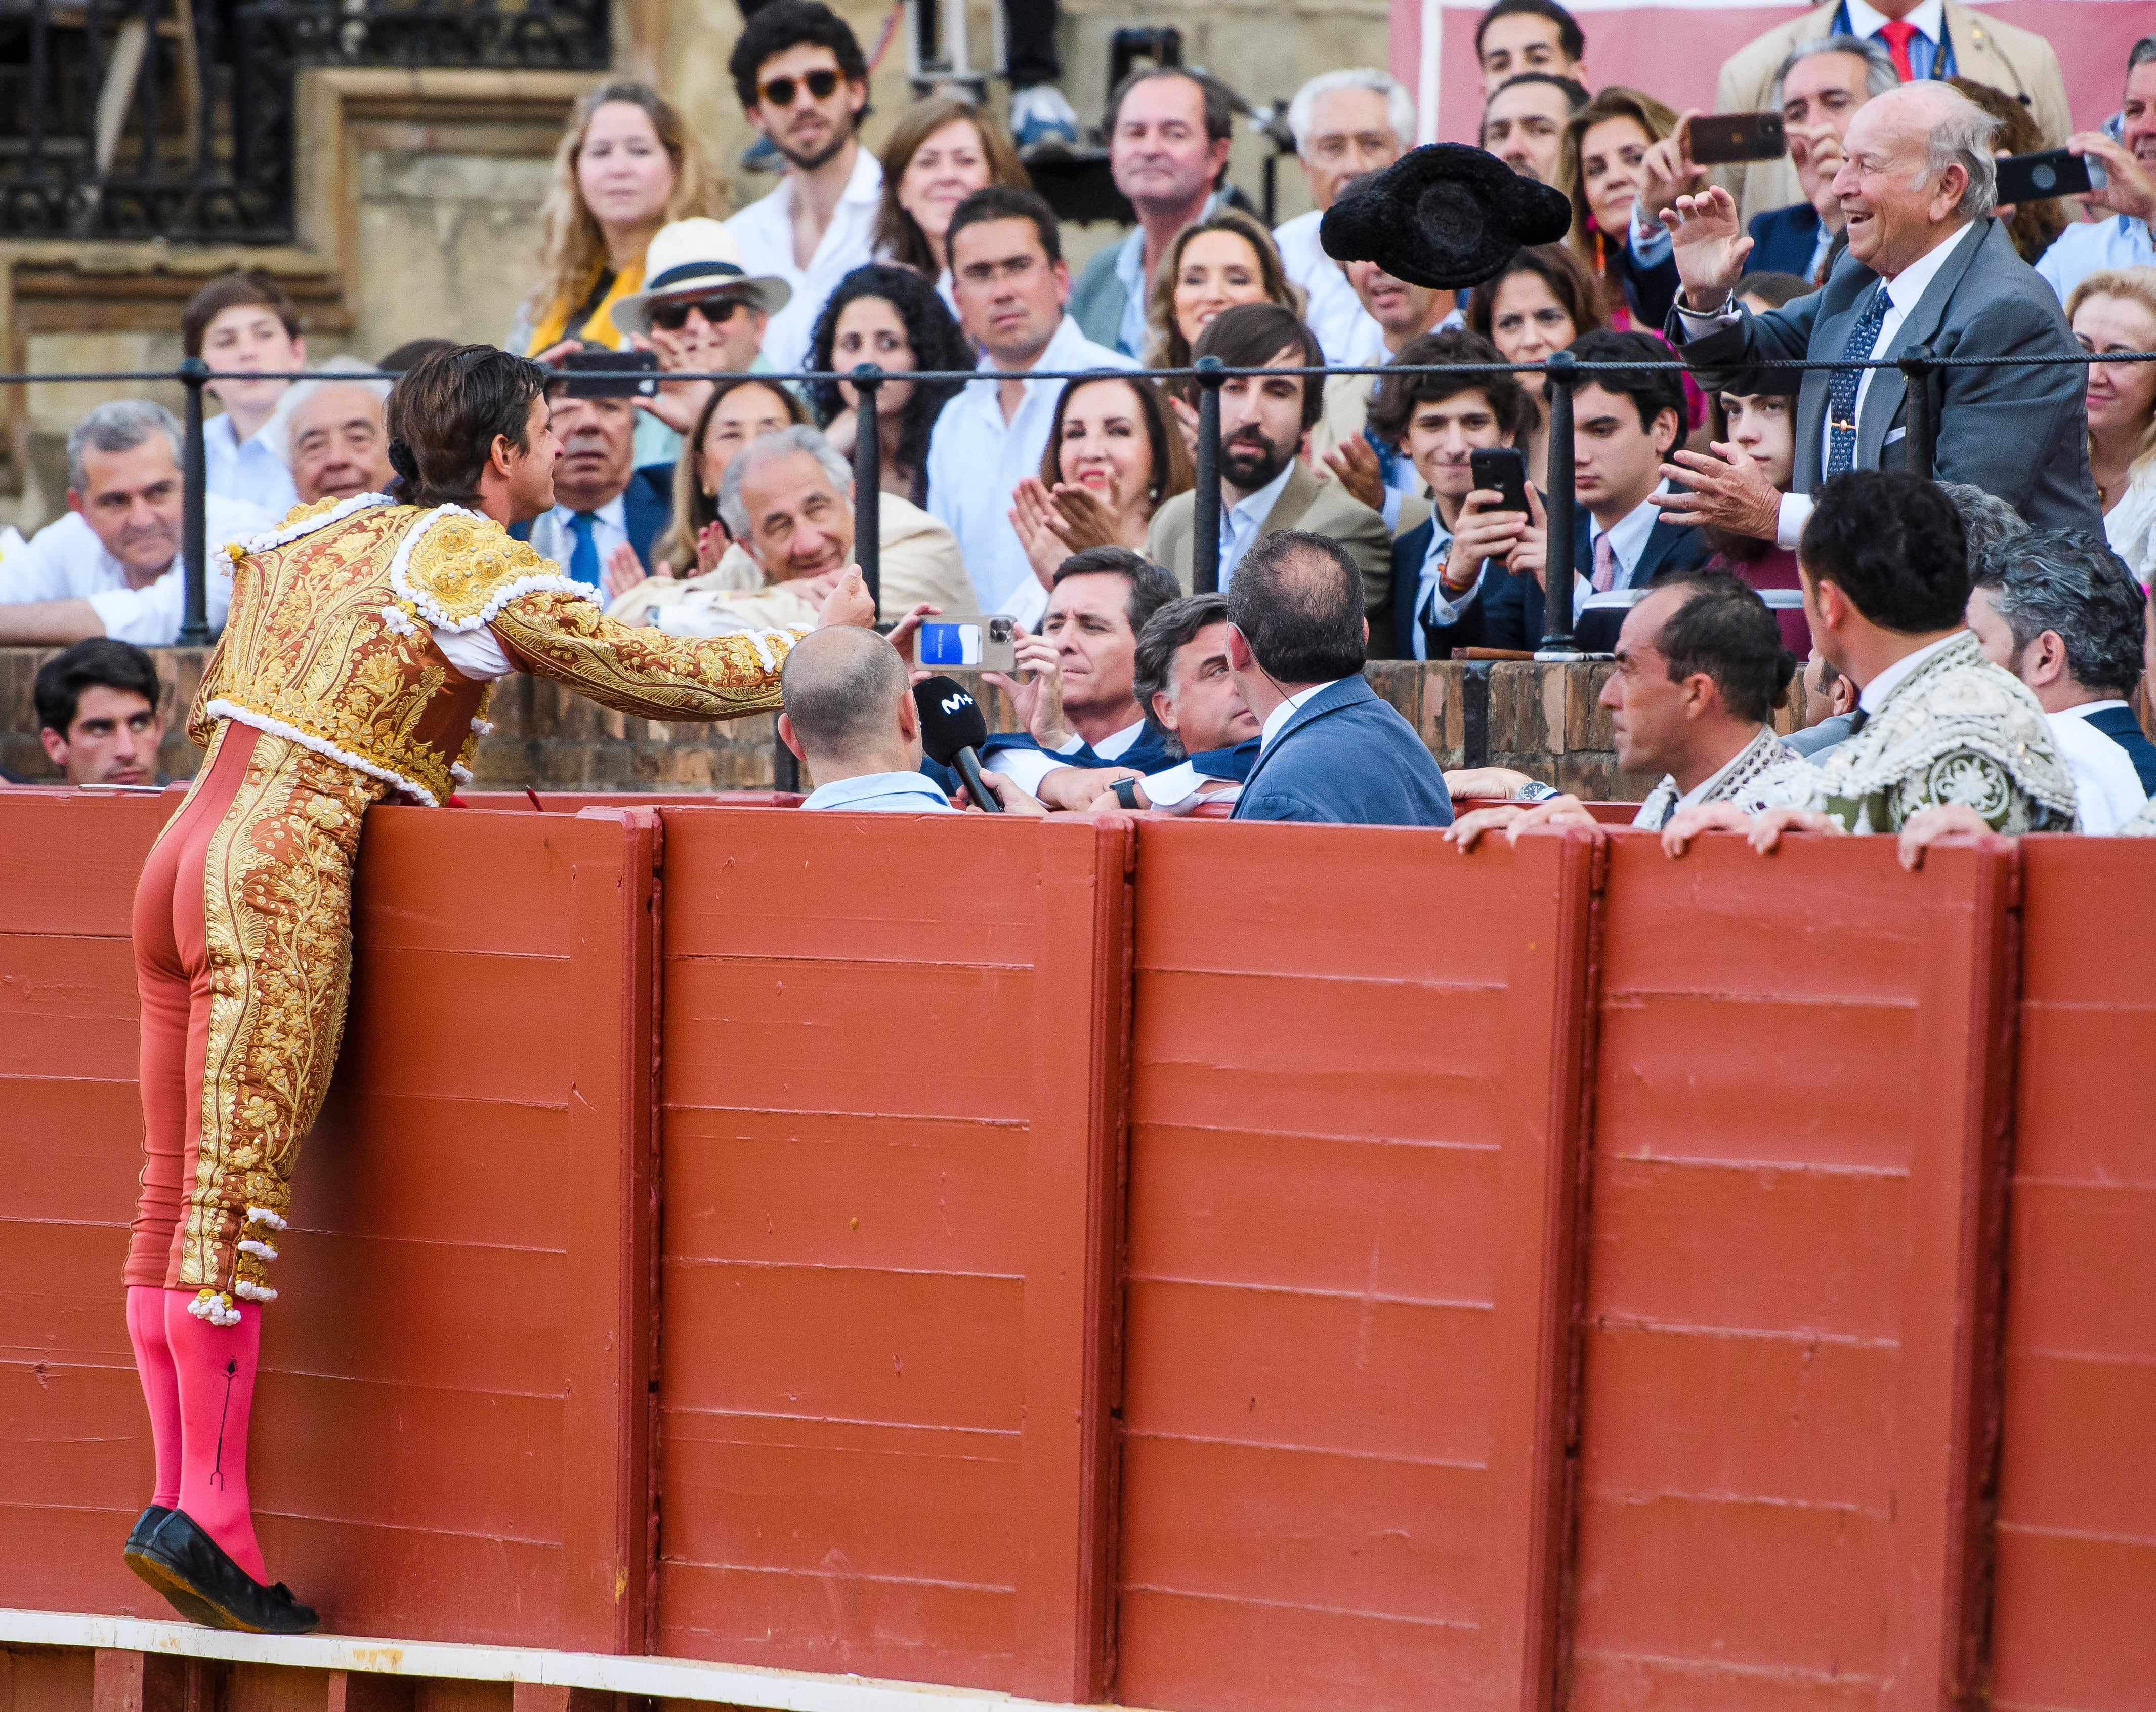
{"x":355,"y":668}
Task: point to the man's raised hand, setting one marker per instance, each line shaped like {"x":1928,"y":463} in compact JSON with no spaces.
{"x":1710,"y":246}
{"x":849,"y":604}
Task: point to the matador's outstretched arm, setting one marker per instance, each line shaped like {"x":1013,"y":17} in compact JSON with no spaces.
{"x":644,"y":672}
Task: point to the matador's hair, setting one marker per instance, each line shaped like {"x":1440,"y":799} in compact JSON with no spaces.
{"x":444,"y":412}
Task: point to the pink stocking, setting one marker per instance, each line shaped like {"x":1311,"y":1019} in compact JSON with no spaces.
{"x":161,"y":1387}
{"x":216,"y":1367}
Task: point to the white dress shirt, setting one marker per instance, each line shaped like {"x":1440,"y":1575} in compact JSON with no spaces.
{"x":976,"y":459}
{"x":1873,"y":696}
{"x":247,"y":471}
{"x":1280,"y":715}
{"x":553,"y":533}
{"x":764,"y":230}
{"x":2106,"y":789}
{"x":1698,"y":793}
{"x":1241,"y":522}
{"x":1026,"y":768}
{"x":1346,"y":331}
{"x":65,"y":561}
{"x":1903,"y":291}
{"x":883,"y":793}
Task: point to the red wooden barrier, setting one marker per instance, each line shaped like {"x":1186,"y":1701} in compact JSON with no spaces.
{"x":2076,"y":1539}
{"x":1795,"y":1159}
{"x":447,"y":1437}
{"x":1356,"y":1061}
{"x":892,"y":1051}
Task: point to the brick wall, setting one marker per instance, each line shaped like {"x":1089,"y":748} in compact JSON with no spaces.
{"x":1542,"y":719}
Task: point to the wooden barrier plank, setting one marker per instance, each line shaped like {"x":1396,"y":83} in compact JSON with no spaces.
{"x":1355,"y":1115}
{"x":891,"y":1092}
{"x":1797,"y":1174}
{"x":2076,"y":1504}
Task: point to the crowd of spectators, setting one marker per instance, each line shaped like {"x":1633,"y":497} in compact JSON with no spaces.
{"x":1729,"y":512}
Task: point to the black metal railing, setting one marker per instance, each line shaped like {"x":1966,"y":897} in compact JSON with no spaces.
{"x":173,"y":119}
{"x":1561,"y":373}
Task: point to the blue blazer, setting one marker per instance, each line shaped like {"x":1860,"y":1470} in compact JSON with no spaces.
{"x":647,"y":505}
{"x":1347,"y":758}
{"x":1783,"y":241}
{"x":2122,"y":728}
{"x":1506,"y":611}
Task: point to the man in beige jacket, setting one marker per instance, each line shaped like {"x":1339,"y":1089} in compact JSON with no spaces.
{"x":788,"y":499}
{"x":1983,"y":48}
{"x":1265,"y":486}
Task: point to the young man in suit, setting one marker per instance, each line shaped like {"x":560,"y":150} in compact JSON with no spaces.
{"x":2062,"y":612}
{"x":1264,"y":487}
{"x":1439,"y":421}
{"x":1926,"y":39}
{"x":1927,"y":266}
{"x":1818,"y":91}
{"x":1329,"y":749}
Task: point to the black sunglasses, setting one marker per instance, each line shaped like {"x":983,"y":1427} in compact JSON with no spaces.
{"x":673,"y":315}
{"x":780,"y":91}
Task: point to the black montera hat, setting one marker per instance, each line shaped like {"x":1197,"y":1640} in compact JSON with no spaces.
{"x":1445,"y":217}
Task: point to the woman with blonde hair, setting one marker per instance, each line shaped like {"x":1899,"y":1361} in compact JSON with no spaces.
{"x":941,"y":150}
{"x":626,"y":165}
{"x":2114,"y":310}
{"x":1601,"y":167}
{"x":1212,"y":265}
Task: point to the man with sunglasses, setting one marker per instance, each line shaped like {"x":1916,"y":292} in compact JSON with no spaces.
{"x":804,"y":83}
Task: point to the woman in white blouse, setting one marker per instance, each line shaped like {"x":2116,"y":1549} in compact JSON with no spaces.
{"x":2114,"y":309}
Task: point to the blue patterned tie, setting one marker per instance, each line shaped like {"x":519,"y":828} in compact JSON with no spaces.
{"x":584,"y":556}
{"x":1841,"y":391}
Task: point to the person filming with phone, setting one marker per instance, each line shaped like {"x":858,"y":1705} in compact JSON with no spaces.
{"x":1927,"y":266}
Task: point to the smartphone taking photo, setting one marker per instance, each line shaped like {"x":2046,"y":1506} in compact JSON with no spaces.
{"x":1503,"y":470}
{"x":1718,"y":139}
{"x":2048,"y":173}
{"x":985,"y":644}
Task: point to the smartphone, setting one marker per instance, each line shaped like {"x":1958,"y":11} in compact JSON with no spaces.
{"x":615,"y":385}
{"x":1717,"y":138}
{"x":1501,"y":469}
{"x":967,"y":643}
{"x":2047,"y":173}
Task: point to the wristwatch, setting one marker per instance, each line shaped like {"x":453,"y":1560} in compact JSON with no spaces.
{"x":1127,"y":793}
{"x":1535,"y":791}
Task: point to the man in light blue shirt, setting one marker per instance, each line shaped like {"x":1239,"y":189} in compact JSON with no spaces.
{"x":2123,"y":240}
{"x":1007,"y":272}
{"x":1168,"y":132}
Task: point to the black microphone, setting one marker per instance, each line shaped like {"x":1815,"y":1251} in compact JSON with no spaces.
{"x":951,"y":732}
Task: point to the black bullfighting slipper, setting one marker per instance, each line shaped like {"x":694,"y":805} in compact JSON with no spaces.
{"x":204,"y":1585}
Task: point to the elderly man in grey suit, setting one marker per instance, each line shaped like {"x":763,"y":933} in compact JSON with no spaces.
{"x":1264,"y":487}
{"x":1927,"y":266}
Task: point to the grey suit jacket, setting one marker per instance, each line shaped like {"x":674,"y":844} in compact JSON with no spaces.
{"x":1323,"y":508}
{"x":2021,"y":433}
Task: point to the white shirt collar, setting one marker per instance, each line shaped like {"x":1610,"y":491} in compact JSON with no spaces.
{"x":1697,"y":793}
{"x":1116,"y":742}
{"x":1929,"y":19}
{"x":1875,"y":693}
{"x":2083,"y":710}
{"x":1907,"y":287}
{"x":614,"y":513}
{"x":1062,"y":346}
{"x":1628,"y":534}
{"x":1280,"y":715}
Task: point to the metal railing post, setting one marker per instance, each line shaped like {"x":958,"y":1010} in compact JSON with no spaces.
{"x":1205,"y":508}
{"x":194,"y":517}
{"x":1561,"y":372}
{"x":868,"y":482}
{"x":1916,"y":366}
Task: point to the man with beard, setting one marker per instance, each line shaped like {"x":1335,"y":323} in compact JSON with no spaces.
{"x":804,"y":83}
{"x":1264,"y":486}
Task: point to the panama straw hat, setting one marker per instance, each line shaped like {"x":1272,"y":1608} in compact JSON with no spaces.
{"x":693,"y":259}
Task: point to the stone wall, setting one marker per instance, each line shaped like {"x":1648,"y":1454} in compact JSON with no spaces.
{"x":1541,"y":719}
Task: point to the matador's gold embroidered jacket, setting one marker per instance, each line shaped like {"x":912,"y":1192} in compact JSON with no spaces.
{"x":330,"y":652}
